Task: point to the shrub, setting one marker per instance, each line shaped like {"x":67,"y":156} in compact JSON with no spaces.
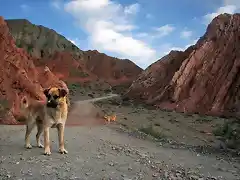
{"x":4,"y":107}
{"x":30,"y":48}
{"x":78,"y":73}
{"x":230,"y":133}
{"x":152,"y":132}
{"x":19,"y":44}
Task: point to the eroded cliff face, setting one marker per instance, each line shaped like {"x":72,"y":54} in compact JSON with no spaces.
{"x":19,"y":76}
{"x":152,"y":81}
{"x":208,"y":79}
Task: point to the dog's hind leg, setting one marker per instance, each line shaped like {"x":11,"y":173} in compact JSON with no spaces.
{"x":39,"y":132}
{"x":29,"y":128}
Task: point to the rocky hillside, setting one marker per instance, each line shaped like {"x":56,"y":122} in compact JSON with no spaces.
{"x":157,"y":76}
{"x":205,"y":78}
{"x":39,"y":41}
{"x":114,"y":68}
{"x":19,"y":76}
{"x":57,"y":52}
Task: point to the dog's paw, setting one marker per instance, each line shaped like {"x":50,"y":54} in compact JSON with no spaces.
{"x":28,"y":146}
{"x":63,"y":151}
{"x":47,"y":152}
{"x":40,"y":146}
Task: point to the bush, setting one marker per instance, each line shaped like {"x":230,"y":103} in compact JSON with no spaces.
{"x":78,"y":73}
{"x":152,"y":132}
{"x":4,"y":107}
{"x":18,"y":43}
{"x":230,"y":133}
{"x":30,"y":48}
{"x":73,"y":86}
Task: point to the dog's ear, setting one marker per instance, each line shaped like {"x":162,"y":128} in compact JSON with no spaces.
{"x":62,"y":92}
{"x":45,"y":91}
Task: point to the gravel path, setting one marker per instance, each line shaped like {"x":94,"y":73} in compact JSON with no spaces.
{"x":97,"y":99}
{"x":101,"y":152}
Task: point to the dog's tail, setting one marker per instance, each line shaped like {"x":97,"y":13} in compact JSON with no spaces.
{"x":20,"y":117}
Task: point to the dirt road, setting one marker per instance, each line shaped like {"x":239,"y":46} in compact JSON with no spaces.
{"x":101,"y":152}
{"x":97,"y":99}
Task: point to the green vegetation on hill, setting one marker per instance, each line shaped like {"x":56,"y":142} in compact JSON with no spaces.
{"x":43,"y":40}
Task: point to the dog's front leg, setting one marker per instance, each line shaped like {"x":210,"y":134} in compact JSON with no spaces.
{"x":46,"y":141}
{"x":60,"y":128}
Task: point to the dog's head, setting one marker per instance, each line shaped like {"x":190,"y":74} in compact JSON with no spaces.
{"x":55,"y":96}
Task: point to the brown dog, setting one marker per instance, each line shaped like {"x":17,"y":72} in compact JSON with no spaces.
{"x":53,"y":114}
{"x":110,"y":117}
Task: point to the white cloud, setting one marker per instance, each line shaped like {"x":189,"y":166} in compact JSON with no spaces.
{"x":149,"y":16}
{"x":175,"y":48}
{"x":186,"y":34}
{"x":142,"y":35}
{"x":111,"y":40}
{"x":235,"y":3}
{"x":223,"y":9}
{"x":25,"y":7}
{"x":81,"y":44}
{"x":107,"y":24}
{"x":172,"y":49}
{"x":228,"y":6}
{"x":192,"y":43}
{"x":164,"y":30}
{"x":75,"y":41}
{"x":132,"y":9}
{"x":56,"y":4}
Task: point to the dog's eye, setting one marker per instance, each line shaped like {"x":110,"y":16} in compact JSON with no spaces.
{"x":55,"y":96}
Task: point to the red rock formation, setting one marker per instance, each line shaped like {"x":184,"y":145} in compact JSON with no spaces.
{"x":18,"y":75}
{"x":92,"y":67}
{"x":208,"y":80}
{"x":66,"y":67}
{"x":152,"y":81}
{"x":112,"y":70}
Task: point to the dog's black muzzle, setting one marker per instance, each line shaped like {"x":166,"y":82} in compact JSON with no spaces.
{"x":52,"y":104}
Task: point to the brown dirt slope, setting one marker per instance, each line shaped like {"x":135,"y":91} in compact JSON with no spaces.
{"x":208,"y":80}
{"x":19,"y":76}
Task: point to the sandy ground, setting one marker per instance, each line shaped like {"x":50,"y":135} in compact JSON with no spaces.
{"x":114,"y":151}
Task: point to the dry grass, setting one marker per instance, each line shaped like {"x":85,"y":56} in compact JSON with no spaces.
{"x":230,"y":133}
{"x":4,"y":107}
{"x":150,"y":130}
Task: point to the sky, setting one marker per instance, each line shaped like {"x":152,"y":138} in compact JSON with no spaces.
{"x":140,"y":30}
